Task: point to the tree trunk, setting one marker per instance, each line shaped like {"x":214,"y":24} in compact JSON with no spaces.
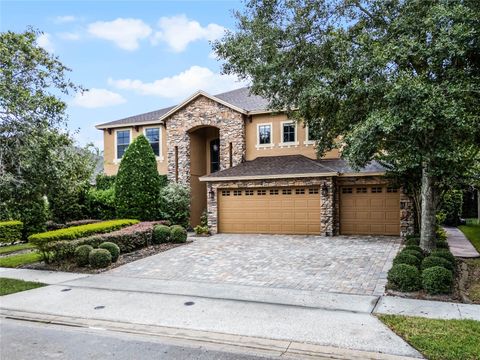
{"x":427,"y":228}
{"x":478,"y":205}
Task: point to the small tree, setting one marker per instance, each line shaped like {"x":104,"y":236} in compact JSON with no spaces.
{"x":137,"y":185}
{"x":175,"y":204}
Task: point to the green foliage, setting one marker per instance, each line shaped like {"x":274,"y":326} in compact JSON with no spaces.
{"x":404,"y":277}
{"x":413,"y":247}
{"x":178,"y":234}
{"x":201,"y":230}
{"x":451,"y":206}
{"x":175,"y":204}
{"x":412,"y":240}
{"x":405,"y":258}
{"x":444,"y":253}
{"x":163,"y":180}
{"x":38,"y":157}
{"x":416,"y":253}
{"x":440,"y":234}
{"x":100,"y":203}
{"x":76,"y":232}
{"x":161,"y":234}
{"x":204,"y":219}
{"x":81,"y":254}
{"x":437,"y":280}
{"x":112,"y":248}
{"x":99,"y":258}
{"x":10,"y":231}
{"x":105,"y":182}
{"x":137,"y":184}
{"x":396,"y":81}
{"x":431,"y":261}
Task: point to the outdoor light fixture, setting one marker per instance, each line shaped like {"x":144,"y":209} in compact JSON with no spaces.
{"x":324,"y":189}
{"x":211,"y":193}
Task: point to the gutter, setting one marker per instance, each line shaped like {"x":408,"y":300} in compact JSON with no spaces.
{"x":265,"y":177}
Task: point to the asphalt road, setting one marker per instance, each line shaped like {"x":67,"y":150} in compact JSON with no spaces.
{"x":21,"y":340}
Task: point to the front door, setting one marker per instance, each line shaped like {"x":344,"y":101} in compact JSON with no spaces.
{"x":214,"y":155}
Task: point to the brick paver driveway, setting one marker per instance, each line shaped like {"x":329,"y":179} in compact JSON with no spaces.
{"x":345,"y":264}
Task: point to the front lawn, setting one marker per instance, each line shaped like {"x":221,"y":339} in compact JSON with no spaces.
{"x":13,"y":248}
{"x":20,"y":259}
{"x":438,"y":339}
{"x":472,"y":232}
{"x":10,"y":286}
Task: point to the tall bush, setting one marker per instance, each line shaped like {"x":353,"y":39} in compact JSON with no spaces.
{"x":175,"y":204}
{"x":100,"y":203}
{"x":137,"y":184}
{"x":451,"y":207}
{"x":105,"y":182}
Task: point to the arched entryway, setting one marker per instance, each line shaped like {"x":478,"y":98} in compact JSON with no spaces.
{"x":204,"y":159}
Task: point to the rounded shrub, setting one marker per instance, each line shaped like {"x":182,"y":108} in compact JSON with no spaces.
{"x":444,"y":253}
{"x":81,"y":254}
{"x":442,"y":245}
{"x":99,"y":258}
{"x":404,"y":277}
{"x":178,"y":234}
{"x":412,"y":240}
{"x":413,"y":247}
{"x":112,"y":248}
{"x":405,"y":258}
{"x":415,"y":253}
{"x":161,"y":234}
{"x":437,"y":280}
{"x":431,"y":261}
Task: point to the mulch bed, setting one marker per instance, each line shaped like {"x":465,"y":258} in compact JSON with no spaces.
{"x":122,"y":260}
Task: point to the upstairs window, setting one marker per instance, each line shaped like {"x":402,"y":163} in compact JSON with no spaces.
{"x":288,"y":132}
{"x":123,"y":140}
{"x":153,"y":137}
{"x":264,"y":134}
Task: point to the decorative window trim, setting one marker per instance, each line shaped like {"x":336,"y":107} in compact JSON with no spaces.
{"x":160,"y":143}
{"x":307,"y":139}
{"x":264,"y":146}
{"x":289,"y":143}
{"x":117,"y":160}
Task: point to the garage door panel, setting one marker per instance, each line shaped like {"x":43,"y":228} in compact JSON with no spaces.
{"x":275,"y":212}
{"x":371,"y":212}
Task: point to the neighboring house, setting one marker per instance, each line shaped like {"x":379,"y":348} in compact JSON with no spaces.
{"x":256,"y":171}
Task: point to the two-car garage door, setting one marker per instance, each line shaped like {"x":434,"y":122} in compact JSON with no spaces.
{"x":286,"y":210}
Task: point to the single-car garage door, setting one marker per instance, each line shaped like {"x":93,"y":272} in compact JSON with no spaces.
{"x":287,"y":210}
{"x":369,"y":210}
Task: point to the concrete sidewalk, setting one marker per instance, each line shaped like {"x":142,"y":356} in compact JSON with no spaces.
{"x":42,"y":276}
{"x":459,"y":245}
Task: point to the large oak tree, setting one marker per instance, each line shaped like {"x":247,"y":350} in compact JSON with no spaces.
{"x":396,"y":80}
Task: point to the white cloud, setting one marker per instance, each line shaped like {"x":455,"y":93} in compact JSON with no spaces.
{"x":125,"y":33}
{"x":178,"y":31}
{"x":45,"y":41}
{"x":65,"y":19}
{"x":69,"y":36}
{"x":97,"y":98}
{"x":181,"y":85}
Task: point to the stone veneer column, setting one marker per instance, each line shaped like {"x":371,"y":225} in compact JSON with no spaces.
{"x":407,"y":215}
{"x":327,"y":208}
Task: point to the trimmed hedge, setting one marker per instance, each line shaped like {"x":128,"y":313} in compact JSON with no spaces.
{"x":412,"y":240}
{"x":437,"y":280}
{"x":404,"y":277}
{"x":50,"y":225}
{"x":99,"y":258}
{"x":415,"y":253}
{"x":413,"y":247}
{"x":178,"y":234}
{"x":76,"y":232}
{"x":81,"y":254}
{"x":10,"y":231}
{"x":112,"y":248}
{"x":161,"y":234}
{"x":444,"y":253}
{"x":431,"y":261}
{"x":405,"y":258}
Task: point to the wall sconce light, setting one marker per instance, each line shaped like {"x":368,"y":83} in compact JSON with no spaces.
{"x":211,"y":193}
{"x":324,"y":189}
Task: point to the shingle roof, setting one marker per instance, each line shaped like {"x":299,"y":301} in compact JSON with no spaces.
{"x":240,"y":98}
{"x":293,"y":165}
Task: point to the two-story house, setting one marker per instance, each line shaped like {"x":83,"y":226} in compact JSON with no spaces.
{"x":256,"y":171}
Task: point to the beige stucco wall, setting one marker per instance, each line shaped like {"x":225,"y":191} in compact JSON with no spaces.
{"x":109,"y":151}
{"x":301,"y":145}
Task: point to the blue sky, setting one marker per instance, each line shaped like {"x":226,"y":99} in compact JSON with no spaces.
{"x":134,"y":56}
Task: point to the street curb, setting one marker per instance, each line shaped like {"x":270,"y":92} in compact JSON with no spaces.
{"x":213,"y":340}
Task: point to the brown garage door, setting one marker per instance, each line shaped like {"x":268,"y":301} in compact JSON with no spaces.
{"x":369,"y":210}
{"x":292,"y":210}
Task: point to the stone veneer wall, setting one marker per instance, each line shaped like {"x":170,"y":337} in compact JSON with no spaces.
{"x":203,"y":112}
{"x":326,"y":202}
{"x":406,"y":203}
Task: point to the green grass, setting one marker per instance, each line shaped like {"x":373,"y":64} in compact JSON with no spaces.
{"x":13,"y":248}
{"x":472,"y":232}
{"x":10,"y":286}
{"x":438,"y":339}
{"x":20,"y":259}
